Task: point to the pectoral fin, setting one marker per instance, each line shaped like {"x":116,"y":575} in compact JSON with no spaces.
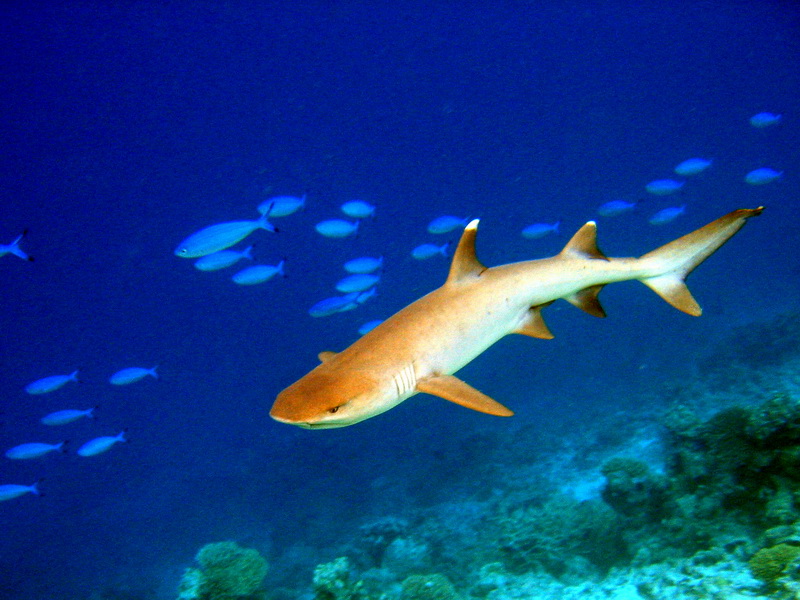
{"x":453,"y":389}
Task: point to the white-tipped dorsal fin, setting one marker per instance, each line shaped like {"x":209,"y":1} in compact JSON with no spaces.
{"x":584,"y":243}
{"x":465,"y":264}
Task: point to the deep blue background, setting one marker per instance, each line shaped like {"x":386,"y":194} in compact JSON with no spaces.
{"x":127,"y":127}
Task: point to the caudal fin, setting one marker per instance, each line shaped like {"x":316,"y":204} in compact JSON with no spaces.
{"x":673,"y":262}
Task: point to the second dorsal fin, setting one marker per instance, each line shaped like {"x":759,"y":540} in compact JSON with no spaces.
{"x":584,"y":243}
{"x":465,"y":264}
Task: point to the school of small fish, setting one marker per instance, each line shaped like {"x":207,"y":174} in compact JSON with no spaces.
{"x":98,"y":445}
{"x":212,"y":247}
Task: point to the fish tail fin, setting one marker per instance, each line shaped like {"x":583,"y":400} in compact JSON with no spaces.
{"x":74,"y":376}
{"x":263,"y":221}
{"x":14,"y":248}
{"x":280,"y":268}
{"x":35,"y":488}
{"x":153,"y":372}
{"x":248,"y":252}
{"x":670,"y":264}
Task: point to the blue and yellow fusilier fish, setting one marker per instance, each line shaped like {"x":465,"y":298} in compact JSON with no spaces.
{"x":101,"y":444}
{"x":62,"y":417}
{"x":50,"y":384}
{"x":33,"y":450}
{"x":132,"y":375}
{"x":13,"y":248}
{"x":220,"y":237}
{"x":14,"y":490}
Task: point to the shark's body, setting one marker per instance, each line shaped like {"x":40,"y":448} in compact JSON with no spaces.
{"x":419,"y":348}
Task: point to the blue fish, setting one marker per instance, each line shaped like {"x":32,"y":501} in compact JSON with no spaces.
{"x":357,"y":282}
{"x":762,"y":176}
{"x":222,"y":259}
{"x":369,"y":326}
{"x":364,"y":264}
{"x":358,"y":209}
{"x":667,"y":215}
{"x":13,"y":490}
{"x":539,"y":230}
{"x":50,"y":384}
{"x":258,"y":274}
{"x":282,"y":206}
{"x":337,"y":228}
{"x":446,"y":224}
{"x":338,"y":304}
{"x":100,"y":444}
{"x":765,"y":119}
{"x":615,"y":207}
{"x":426,"y":251}
{"x":62,"y":417}
{"x":220,"y":237}
{"x":663,"y":187}
{"x":132,"y":375}
{"x":33,"y":450}
{"x":13,"y":248}
{"x":692,"y":166}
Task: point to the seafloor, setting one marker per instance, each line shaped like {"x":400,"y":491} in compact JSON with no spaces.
{"x":703,"y":501}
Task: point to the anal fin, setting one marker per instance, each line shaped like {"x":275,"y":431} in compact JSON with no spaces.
{"x":586,"y":300}
{"x":454,"y":390}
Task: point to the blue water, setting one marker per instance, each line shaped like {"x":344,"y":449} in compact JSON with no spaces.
{"x":125,"y":128}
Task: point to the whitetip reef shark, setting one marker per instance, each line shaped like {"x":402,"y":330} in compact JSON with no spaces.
{"x":420,"y":347}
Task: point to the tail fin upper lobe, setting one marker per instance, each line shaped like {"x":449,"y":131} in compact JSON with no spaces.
{"x":672,"y":263}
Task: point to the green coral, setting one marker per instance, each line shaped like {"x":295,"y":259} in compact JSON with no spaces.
{"x":770,"y":564}
{"x":230,"y":571}
{"x":428,"y":587}
{"x":332,"y":581}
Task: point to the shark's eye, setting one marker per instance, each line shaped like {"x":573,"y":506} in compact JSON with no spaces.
{"x":333,"y":410}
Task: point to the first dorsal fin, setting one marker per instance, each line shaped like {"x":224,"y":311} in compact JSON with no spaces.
{"x":465,"y":263}
{"x":584,"y":243}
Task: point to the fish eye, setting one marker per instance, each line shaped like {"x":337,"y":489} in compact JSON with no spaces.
{"x":333,"y":410}
{"x":183,"y":250}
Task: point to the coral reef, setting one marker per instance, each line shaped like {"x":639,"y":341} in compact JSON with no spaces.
{"x":428,"y":587}
{"x":564,"y":537}
{"x":770,"y":564}
{"x":332,"y":581}
{"x":227,"y":572}
{"x":633,"y":490}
